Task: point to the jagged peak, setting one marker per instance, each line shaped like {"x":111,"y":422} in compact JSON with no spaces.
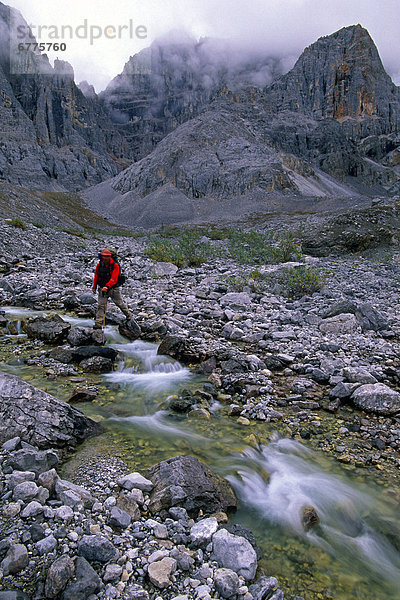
{"x":340,"y":75}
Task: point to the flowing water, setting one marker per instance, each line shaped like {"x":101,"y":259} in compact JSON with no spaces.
{"x":354,"y":551}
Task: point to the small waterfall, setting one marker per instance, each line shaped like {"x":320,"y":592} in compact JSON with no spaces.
{"x":158,"y":373}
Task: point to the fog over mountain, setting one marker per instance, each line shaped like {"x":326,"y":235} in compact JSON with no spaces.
{"x":269,"y":27}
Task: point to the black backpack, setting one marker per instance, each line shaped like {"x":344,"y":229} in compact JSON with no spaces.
{"x":121,"y":278}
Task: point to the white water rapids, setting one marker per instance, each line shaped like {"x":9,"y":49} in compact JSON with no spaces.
{"x":279,"y":479}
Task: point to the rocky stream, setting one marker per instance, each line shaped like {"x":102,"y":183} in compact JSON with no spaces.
{"x":228,"y":444}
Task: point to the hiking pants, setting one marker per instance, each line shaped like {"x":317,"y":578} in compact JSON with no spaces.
{"x":116,"y":297}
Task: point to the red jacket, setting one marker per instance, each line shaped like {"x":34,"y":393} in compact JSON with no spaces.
{"x":114,"y":272}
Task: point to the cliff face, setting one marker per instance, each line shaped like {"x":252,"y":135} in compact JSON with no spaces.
{"x":340,"y":76}
{"x":170,"y":82}
{"x":52,"y":135}
{"x":340,"y":83}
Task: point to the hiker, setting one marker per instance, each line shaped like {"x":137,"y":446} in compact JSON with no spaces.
{"x":106,"y":279}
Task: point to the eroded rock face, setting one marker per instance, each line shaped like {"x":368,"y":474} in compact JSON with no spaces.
{"x":39,"y":418}
{"x":53,"y":136}
{"x":184,"y":481}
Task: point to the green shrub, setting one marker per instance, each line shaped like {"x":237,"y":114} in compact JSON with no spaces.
{"x":301,"y":281}
{"x":16,"y":223}
{"x":186,"y":250}
{"x":252,"y":247}
{"x":253,"y":280}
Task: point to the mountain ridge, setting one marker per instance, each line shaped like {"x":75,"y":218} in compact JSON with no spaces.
{"x":328,"y":127}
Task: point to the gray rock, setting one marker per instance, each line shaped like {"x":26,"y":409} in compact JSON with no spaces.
{"x":164,"y":268}
{"x":119,"y":518}
{"x":61,"y":354}
{"x":12,"y":444}
{"x":32,"y":509}
{"x":370,"y":318}
{"x":52,"y":329}
{"x":185,"y":481}
{"x":85,"y":352}
{"x":96,"y":548}
{"x":16,"y":559}
{"x":278,"y":595}
{"x":11,"y":595}
{"x":80,"y":336}
{"x":87,"y":582}
{"x":202,"y":532}
{"x":226,"y":582}
{"x":358,"y":375}
{"x":25,"y":491}
{"x":40,"y":419}
{"x":48,"y":480}
{"x":46,"y":545}
{"x":17,"y":477}
{"x":377,"y":398}
{"x":236,"y":553}
{"x":96,"y":364}
{"x":128,"y":504}
{"x":37,"y":461}
{"x":343,"y":323}
{"x":64,"y":513}
{"x":71,"y":494}
{"x":58,"y":576}
{"x":112,"y":572}
{"x":343,"y":390}
{"x":263,"y":587}
{"x":130,"y":329}
{"x":235,"y":299}
{"x":135,"y":480}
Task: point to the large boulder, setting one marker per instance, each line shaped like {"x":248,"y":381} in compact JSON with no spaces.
{"x":343,"y":323}
{"x":377,"y":398}
{"x":51,"y":329}
{"x":185,"y":481}
{"x":39,"y":418}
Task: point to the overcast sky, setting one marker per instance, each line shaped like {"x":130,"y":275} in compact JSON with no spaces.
{"x":282,"y":27}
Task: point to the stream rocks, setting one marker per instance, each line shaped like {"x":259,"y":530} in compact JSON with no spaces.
{"x":38,"y":418}
{"x":65,"y":544}
{"x":266,"y":358}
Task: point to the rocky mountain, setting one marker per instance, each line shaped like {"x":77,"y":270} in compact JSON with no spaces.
{"x":170,"y":82}
{"x":53,"y":136}
{"x":204,"y":122}
{"x":329,"y":127}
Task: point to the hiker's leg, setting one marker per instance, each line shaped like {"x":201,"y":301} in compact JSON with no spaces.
{"x":117,"y":298}
{"x":101,"y":309}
